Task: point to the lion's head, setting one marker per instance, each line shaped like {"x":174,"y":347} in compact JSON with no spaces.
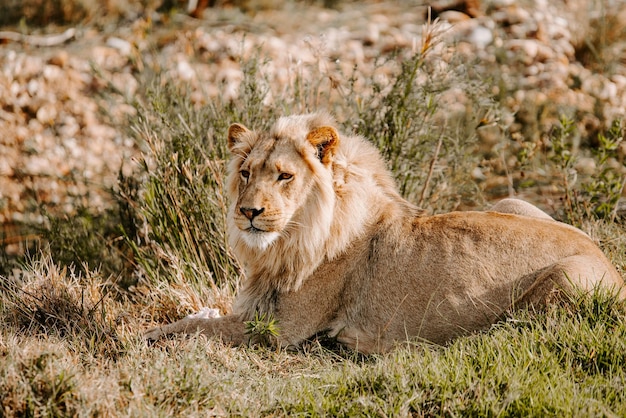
{"x":300,"y":193}
{"x":282,"y":198}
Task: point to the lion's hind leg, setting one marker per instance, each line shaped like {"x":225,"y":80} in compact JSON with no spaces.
{"x":579,"y":273}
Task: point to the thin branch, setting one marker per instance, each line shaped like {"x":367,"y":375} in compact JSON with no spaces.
{"x":430,"y":170}
{"x":49,"y":40}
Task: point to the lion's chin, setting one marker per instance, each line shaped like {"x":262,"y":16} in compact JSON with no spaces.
{"x":258,"y":239}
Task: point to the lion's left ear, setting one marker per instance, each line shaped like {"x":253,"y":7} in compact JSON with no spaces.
{"x":325,"y":139}
{"x":236,"y":132}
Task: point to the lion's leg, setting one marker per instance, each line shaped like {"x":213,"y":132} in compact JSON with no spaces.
{"x":571,"y":274}
{"x":229,"y":328}
{"x":519,"y":207}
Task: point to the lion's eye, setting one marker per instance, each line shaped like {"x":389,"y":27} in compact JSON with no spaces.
{"x":285,"y":176}
{"x":245,"y":174}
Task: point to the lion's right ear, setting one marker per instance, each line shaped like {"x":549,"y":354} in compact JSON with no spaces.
{"x":236,"y":133}
{"x":325,"y":139}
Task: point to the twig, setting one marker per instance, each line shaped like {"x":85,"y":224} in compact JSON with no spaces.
{"x":509,"y":177}
{"x":48,"y":40}
{"x":430,"y":170}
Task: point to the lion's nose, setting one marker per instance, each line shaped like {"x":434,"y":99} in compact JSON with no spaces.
{"x":251,"y":213}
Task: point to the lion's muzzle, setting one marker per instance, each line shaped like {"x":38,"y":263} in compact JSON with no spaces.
{"x":251,"y":213}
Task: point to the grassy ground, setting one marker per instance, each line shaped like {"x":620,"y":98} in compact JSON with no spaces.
{"x":73,"y":313}
{"x":568,"y":362}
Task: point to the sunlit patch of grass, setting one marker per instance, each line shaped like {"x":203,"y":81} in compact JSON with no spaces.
{"x":533,"y":365}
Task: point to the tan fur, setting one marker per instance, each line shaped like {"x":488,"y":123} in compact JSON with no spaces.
{"x":329,"y":245}
{"x":520,"y":207}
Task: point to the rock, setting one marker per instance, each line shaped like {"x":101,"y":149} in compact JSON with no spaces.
{"x":454,"y":16}
{"x":60,"y":59}
{"x":469,"y":7}
{"x":481,"y":37}
{"x":124,"y":47}
{"x":586,"y":165}
{"x":47,"y":114}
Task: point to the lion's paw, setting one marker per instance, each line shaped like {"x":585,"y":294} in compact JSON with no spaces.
{"x":206,"y":313}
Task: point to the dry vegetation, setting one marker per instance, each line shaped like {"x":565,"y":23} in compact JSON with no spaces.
{"x":72,"y":311}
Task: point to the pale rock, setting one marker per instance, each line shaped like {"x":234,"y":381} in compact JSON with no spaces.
{"x":47,"y":113}
{"x":124,"y":47}
{"x":33,"y":87}
{"x":619,"y":80}
{"x":372,"y":35}
{"x":185,"y":71}
{"x":477,"y":174}
{"x":529,"y":48}
{"x":69,"y":127}
{"x":52,"y":73}
{"x":517,"y":15}
{"x":454,"y":16}
{"x":6,"y":169}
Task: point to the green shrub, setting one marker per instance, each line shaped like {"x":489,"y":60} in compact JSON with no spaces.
{"x":182,"y":201}
{"x":428,"y":147}
{"x":588,"y":195}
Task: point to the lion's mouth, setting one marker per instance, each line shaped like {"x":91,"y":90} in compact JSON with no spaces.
{"x":254,"y":230}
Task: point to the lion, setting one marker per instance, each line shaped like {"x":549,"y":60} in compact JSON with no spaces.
{"x":329,"y":246}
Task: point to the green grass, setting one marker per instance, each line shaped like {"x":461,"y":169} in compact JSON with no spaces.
{"x":569,"y":361}
{"x":73,"y":312}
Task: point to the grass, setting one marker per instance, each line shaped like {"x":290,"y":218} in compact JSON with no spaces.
{"x":569,"y":361}
{"x":74,"y":311}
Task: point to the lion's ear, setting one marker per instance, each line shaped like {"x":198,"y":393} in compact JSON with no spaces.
{"x":325,"y":139}
{"x":236,"y":132}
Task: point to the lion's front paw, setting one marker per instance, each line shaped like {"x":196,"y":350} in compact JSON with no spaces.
{"x":206,"y":313}
{"x":189,"y":324}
